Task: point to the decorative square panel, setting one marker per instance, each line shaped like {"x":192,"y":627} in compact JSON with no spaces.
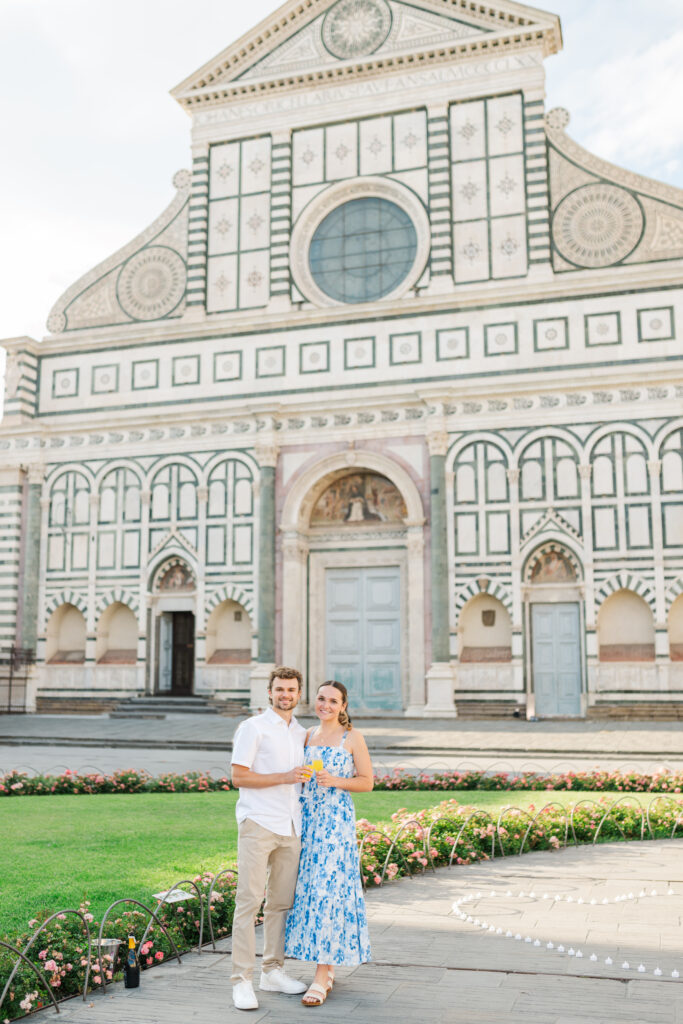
{"x":221,"y":283}
{"x":270,"y":362}
{"x":507,"y":186}
{"x":255,"y":222}
{"x":314,"y":357}
{"x":307,"y":157}
{"x":549,"y":334}
{"x":410,"y":140}
{"x":104,"y":379}
{"x":227,"y":366}
{"x":470,"y":190}
{"x":224,"y":170}
{"x":500,"y":339}
{"x":656,"y":324}
{"x":375,"y":146}
{"x":452,"y":343}
{"x":185,"y":370}
{"x":255,"y":167}
{"x":65,"y":383}
{"x":223,"y":226}
{"x":359,"y":353}
{"x":471,"y":244}
{"x":602,"y":329}
{"x":145,"y":374}
{"x":508,"y":247}
{"x":468,"y":131}
{"x":405,"y":348}
{"x":341,"y":151}
{"x":254,"y":279}
{"x":504,"y":122}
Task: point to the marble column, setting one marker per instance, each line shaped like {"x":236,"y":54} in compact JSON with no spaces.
{"x":440,"y":678}
{"x":266,"y":454}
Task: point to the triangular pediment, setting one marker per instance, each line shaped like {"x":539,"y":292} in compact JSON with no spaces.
{"x":552,"y":523}
{"x":306,"y":43}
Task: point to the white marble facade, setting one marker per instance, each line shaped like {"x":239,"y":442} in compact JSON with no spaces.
{"x":498,"y":338}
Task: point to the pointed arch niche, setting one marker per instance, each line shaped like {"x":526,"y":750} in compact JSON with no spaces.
{"x":354,"y":513}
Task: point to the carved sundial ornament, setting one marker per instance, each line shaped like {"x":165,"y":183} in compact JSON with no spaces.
{"x":355,"y":28}
{"x":597,"y":225}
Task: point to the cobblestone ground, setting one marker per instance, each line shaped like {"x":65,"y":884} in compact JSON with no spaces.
{"x":433,"y":968}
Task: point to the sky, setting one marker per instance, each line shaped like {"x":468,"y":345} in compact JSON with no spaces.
{"x":91,"y":138}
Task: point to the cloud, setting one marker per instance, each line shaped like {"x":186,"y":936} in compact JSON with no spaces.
{"x":633,"y":113}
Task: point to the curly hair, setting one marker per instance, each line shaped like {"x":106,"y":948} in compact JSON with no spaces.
{"x":282,"y":672}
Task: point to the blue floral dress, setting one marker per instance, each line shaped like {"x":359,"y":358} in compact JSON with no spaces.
{"x":327,"y":923}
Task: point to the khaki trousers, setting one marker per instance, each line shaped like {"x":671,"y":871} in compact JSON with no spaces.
{"x":264,"y":861}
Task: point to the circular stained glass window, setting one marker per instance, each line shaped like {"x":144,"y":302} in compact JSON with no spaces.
{"x":363,"y":250}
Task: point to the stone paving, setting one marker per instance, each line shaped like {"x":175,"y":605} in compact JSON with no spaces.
{"x":194,"y":742}
{"x":433,"y":968}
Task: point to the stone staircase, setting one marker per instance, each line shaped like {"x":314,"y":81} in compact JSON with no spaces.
{"x":75,"y":705}
{"x":653,"y":711}
{"x":160,"y":706}
{"x":471,"y":710}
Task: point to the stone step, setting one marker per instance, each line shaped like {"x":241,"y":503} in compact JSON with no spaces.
{"x":471,"y":710}
{"x":656,"y":711}
{"x":75,"y":705}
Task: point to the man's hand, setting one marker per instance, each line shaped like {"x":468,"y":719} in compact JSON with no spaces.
{"x":298,"y":774}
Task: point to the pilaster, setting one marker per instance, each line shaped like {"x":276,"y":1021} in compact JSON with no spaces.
{"x":536,"y":183}
{"x":266,"y":454}
{"x":30,"y":567}
{"x":11,"y":501}
{"x":280,"y":220}
{"x":440,"y":212}
{"x":198,"y":229}
{"x":440,"y":677}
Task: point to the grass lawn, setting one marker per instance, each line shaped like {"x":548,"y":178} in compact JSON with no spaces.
{"x":59,"y":849}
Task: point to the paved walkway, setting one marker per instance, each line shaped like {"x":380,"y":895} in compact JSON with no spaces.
{"x":433,"y":968}
{"x":193,"y":742}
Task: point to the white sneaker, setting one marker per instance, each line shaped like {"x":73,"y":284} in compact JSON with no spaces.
{"x":278,"y":981}
{"x":243,"y":996}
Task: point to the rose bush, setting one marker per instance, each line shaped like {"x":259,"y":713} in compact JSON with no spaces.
{"x":61,"y":950}
{"x":21,"y":784}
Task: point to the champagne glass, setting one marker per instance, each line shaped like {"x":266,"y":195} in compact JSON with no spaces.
{"x":317,"y":764}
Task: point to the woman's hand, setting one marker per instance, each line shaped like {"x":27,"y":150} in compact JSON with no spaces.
{"x":323,"y":778}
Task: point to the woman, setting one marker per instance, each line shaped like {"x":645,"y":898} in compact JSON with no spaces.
{"x":327,"y":923}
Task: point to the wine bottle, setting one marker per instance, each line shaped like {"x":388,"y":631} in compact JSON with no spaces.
{"x":131,"y":967}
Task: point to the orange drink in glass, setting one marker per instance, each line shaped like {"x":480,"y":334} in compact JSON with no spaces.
{"x":317,"y":764}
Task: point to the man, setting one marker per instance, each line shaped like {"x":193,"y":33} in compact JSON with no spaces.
{"x":267,"y":755}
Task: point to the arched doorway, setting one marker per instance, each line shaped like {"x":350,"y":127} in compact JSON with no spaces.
{"x":554,"y":629}
{"x":352,"y":581}
{"x":173,"y":602}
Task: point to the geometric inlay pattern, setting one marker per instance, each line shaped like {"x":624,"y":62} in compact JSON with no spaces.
{"x":597,"y":225}
{"x":354,"y":28}
{"x":151,"y":283}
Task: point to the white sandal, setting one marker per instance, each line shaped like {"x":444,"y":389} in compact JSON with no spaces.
{"x":316,"y":990}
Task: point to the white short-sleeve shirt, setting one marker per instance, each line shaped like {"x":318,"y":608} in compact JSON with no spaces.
{"x":266,"y":743}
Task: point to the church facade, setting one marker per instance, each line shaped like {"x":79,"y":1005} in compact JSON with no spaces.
{"x":391,"y":391}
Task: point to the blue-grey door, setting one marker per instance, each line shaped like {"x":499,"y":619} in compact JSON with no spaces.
{"x":363,"y":635}
{"x":556,"y":659}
